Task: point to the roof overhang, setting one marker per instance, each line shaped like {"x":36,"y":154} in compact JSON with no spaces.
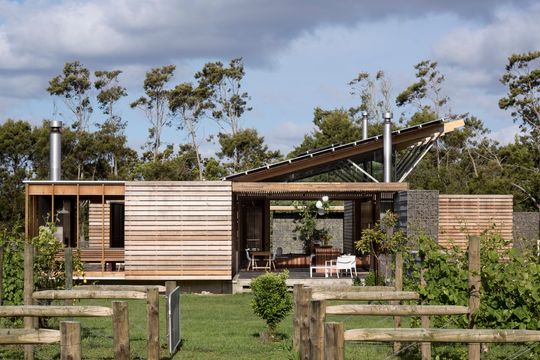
{"x":401,"y":139}
{"x":81,"y":188}
{"x":314,"y":190}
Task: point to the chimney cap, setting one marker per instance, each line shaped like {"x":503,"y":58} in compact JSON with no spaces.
{"x":55,"y":124}
{"x":364,"y":113}
{"x":387,"y":116}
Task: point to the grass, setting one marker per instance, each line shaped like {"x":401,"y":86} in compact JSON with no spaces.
{"x":213,"y":327}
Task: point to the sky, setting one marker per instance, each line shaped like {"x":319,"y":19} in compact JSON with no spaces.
{"x":298,"y":55}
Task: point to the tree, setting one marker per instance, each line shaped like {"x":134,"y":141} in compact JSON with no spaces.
{"x":426,"y":92}
{"x":229,"y":101}
{"x":73,"y":86}
{"x":16,"y":145}
{"x":374,"y":95}
{"x":522,"y":77}
{"x":111,"y":131}
{"x":154,"y":104}
{"x":168,"y":166}
{"x":426,"y":95}
{"x":189,"y":104}
{"x":332,"y":127}
{"x":271,"y":299}
{"x":245,"y":150}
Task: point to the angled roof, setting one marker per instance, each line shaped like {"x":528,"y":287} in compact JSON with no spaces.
{"x":329,"y":155}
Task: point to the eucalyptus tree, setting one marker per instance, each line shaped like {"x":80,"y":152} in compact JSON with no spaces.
{"x":229,"y":100}
{"x":73,"y":87}
{"x":154,"y":105}
{"x":427,"y":91}
{"x":189,"y":104}
{"x":111,"y":131}
{"x":375,"y":94}
{"x":522,"y":77}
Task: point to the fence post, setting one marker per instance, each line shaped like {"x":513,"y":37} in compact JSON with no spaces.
{"x":304,"y":305}
{"x":474,"y":290}
{"x":169,"y":287}
{"x":297,"y":294}
{"x":70,"y":340}
{"x":398,"y":285}
{"x":334,"y":341}
{"x":152,"y":312}
{"x":120,"y":321}
{"x":317,"y":313}
{"x":68,"y":266}
{"x":425,"y":347}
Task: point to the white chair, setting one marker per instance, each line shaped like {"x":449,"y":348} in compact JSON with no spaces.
{"x":347,"y":263}
{"x":250,"y":259}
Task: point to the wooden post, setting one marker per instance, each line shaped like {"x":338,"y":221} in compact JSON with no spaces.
{"x":152,"y":311}
{"x":474,"y":290}
{"x":317,"y":315}
{"x":169,"y":287}
{"x":120,"y":320}
{"x":304,"y":323}
{"x":425,"y":347}
{"x":70,"y":340}
{"x":68,"y":269}
{"x":334,"y":341}
{"x":297,"y":296}
{"x":28,"y":273}
{"x":398,"y":285}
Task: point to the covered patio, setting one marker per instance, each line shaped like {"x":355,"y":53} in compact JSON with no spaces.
{"x":354,"y":176}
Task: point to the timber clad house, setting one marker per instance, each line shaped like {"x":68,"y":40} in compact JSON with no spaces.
{"x":197,"y":232}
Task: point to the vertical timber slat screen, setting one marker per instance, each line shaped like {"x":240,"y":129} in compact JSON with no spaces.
{"x":94,"y":225}
{"x":462,"y":215}
{"x":178,"y":230}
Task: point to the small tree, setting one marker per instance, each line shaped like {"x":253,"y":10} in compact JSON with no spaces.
{"x":271,"y":301}
{"x":382,"y":239}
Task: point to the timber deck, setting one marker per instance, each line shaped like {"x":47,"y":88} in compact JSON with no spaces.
{"x":242,"y":281}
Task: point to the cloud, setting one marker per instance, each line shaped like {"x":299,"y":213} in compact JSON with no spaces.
{"x":480,"y":53}
{"x":505,"y":135}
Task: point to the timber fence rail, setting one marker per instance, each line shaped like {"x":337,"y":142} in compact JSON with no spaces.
{"x":318,"y":340}
{"x":307,"y":325}
{"x":69,"y":335}
{"x":120,"y":330}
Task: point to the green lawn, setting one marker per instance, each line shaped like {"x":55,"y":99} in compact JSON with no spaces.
{"x":224,"y":327}
{"x":221,"y":327}
{"x":213,"y":327}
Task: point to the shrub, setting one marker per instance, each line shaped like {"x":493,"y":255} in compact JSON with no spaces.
{"x":271,"y":300}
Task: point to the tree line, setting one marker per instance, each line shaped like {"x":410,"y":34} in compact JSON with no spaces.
{"x":465,"y":161}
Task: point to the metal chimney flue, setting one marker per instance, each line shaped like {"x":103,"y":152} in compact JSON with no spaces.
{"x":387,"y":149}
{"x":56,"y":150}
{"x":364,"y":125}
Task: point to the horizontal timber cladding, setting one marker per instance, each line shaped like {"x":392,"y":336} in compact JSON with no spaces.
{"x":462,"y":215}
{"x":178,"y":230}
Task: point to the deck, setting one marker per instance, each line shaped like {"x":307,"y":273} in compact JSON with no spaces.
{"x":242,"y":280}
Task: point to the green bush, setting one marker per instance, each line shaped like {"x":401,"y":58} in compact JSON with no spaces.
{"x":271,"y":300}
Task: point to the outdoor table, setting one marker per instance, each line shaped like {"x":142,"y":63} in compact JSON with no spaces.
{"x":264,"y":255}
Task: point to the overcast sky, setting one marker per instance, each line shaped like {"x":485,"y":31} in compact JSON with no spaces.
{"x":298,"y":54}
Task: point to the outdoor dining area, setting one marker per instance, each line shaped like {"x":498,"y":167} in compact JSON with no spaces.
{"x":325,"y":261}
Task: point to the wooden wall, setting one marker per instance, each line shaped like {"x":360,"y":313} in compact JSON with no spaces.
{"x":95,"y":225}
{"x":460,"y":215}
{"x":178,"y":230}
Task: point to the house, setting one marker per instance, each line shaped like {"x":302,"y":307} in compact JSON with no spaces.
{"x":196,"y":232}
